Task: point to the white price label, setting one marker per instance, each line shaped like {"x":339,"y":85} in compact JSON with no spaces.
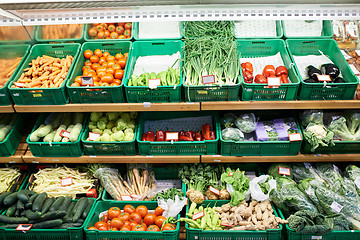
{"x":126,"y":198}
{"x":135,"y":196}
{"x":336,"y":207}
{"x":65,"y":134}
{"x":172,"y":136}
{"x":273,"y":81}
{"x":284,"y":171}
{"x":307,"y":165}
{"x":198,"y":215}
{"x":23,"y":227}
{"x":18,"y":84}
{"x":87,"y":80}
{"x":147,"y":104}
{"x":154,"y":83}
{"x":293,"y":137}
{"x":316,"y":237}
{"x":323,"y":78}
{"x":209,"y":79}
{"x":214,"y":190}
{"x":66,"y":181}
{"x":93,"y":136}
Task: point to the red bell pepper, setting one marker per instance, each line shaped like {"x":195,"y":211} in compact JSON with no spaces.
{"x":248,"y":77}
{"x":186,"y":138}
{"x":188,"y":134}
{"x":143,"y":137}
{"x":269,"y":71}
{"x":197,"y":137}
{"x":281,"y":70}
{"x":212,"y":135}
{"x":205,"y":130}
{"x":247,"y":66}
{"x":284,"y":79}
{"x":150,"y":136}
{"x":182,"y":133}
{"x":260,"y":79}
{"x":160,"y":136}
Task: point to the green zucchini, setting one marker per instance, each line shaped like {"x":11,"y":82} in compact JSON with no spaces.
{"x":28,"y":205}
{"x":19,"y":220}
{"x":65,"y":204}
{"x":52,"y":215}
{"x":29,"y":192}
{"x":47,"y":224}
{"x":32,"y":215}
{"x":38,"y":202}
{"x":69,"y":211}
{"x":3,"y":196}
{"x":10,"y":199}
{"x":80,"y":208}
{"x":32,"y":198}
{"x":88,"y":208}
{"x":47,"y":204}
{"x":20,"y":205}
{"x":55,"y":206}
{"x":17,"y":213}
{"x":23,"y":196}
{"x":11,"y":211}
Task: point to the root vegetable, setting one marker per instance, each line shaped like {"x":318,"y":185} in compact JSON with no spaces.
{"x":224,"y":194}
{"x":241,"y":228}
{"x":254,"y":219}
{"x":197,"y":197}
{"x":211,"y":195}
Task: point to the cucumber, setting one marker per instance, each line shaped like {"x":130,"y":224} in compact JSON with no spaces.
{"x":19,"y":220}
{"x":3,"y":196}
{"x":23,"y":196}
{"x":10,"y":199}
{"x":17,"y":213}
{"x":80,"y":208}
{"x":32,"y":198}
{"x":20,"y":205}
{"x":11,"y":226}
{"x":11,"y":211}
{"x":48,"y":224}
{"x":28,"y":205}
{"x":65,"y":204}
{"x":52,"y":215}
{"x":55,"y":206}
{"x":38,"y":202}
{"x":22,"y":214}
{"x":32,"y":215}
{"x":69,"y":210}
{"x":88,"y":208}
{"x":29,"y":192}
{"x":47,"y":204}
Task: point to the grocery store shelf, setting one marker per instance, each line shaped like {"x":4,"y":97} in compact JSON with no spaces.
{"x":271,"y":105}
{"x":6,"y":109}
{"x":29,"y":158}
{"x":18,"y":155}
{"x":298,"y":158}
{"x":110,"y":107}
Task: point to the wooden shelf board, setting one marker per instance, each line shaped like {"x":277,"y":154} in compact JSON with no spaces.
{"x":29,"y":158}
{"x":6,"y":109}
{"x":263,"y":105}
{"x":110,"y":107}
{"x":18,"y":155}
{"x":298,"y":158}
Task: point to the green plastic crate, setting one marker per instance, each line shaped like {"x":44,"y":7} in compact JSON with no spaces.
{"x":44,"y":96}
{"x":46,"y":234}
{"x":39,"y":37}
{"x":137,"y":38}
{"x":197,"y":234}
{"x":30,"y":30}
{"x":207,"y":147}
{"x":12,"y":140}
{"x":89,"y":39}
{"x":327,"y":31}
{"x":317,"y":91}
{"x":161,"y":173}
{"x":97,"y":94}
{"x":135,"y":94}
{"x":12,"y":51}
{"x":261,"y":148}
{"x":102,"y":206}
{"x":261,"y":92}
{"x":279,"y":32}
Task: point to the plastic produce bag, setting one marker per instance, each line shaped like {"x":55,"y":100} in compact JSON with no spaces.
{"x":266,"y":131}
{"x":246,"y":122}
{"x":228,"y":120}
{"x":232,"y":134}
{"x":172,"y":208}
{"x":312,"y":116}
{"x":108,"y":177}
{"x":257,"y":186}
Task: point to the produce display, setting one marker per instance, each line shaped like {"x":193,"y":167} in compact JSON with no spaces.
{"x":170,"y":77}
{"x":269,"y":71}
{"x":345,"y":31}
{"x":103,"y":68}
{"x":329,"y":69}
{"x":112,"y":126}
{"x":6,"y":124}
{"x":7,"y":176}
{"x":29,"y":207}
{"x":44,"y":72}
{"x":110,"y":30}
{"x":59,"y":127}
{"x":15,"y":33}
{"x":7,"y":68}
{"x":63,"y":31}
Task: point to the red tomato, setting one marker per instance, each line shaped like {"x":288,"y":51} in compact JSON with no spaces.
{"x":103,"y":228}
{"x":88,"y":54}
{"x":128,"y":25}
{"x":133,"y":224}
{"x":129,"y":208}
{"x":92,"y":228}
{"x":127,"y":33}
{"x":149,"y":219}
{"x":111,"y":28}
{"x":114,"y":35}
{"x":98,"y":53}
{"x":269,"y":71}
{"x":159,"y":220}
{"x":168,"y":226}
{"x":116,"y":223}
{"x":153,"y":228}
{"x":95,"y":66}
{"x":159,"y":211}
{"x":122,"y":63}
{"x":142,"y":210}
{"x":116,"y":67}
{"x":100,"y":28}
{"x":114,"y":212}
{"x":136,"y":217}
{"x":106,"y":54}
{"x":120,"y":30}
{"x":110,"y":70}
{"x":124,"y":216}
{"x":92,"y":32}
{"x":126,"y":223}
{"x":107,"y":33}
{"x":125,"y":228}
{"x":119,"y":74}
{"x":139,"y":228}
{"x":107,"y":78}
{"x":100,"y":224}
{"x":94,"y":59}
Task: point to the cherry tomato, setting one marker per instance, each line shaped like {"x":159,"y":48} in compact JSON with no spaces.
{"x":120,"y":30}
{"x":92,"y":32}
{"x":98,"y":53}
{"x":169,"y":226}
{"x":159,"y":211}
{"x":159,"y":220}
{"x":92,"y":228}
{"x":260,"y":79}
{"x":127,"y":33}
{"x":88,"y":54}
{"x":106,"y":54}
{"x":269,"y":71}
{"x":125,"y":228}
{"x":100,"y":28}
{"x":94,"y":59}
{"x":129,"y":208}
{"x":113,"y":212}
{"x":114,"y":35}
{"x":142,"y":210}
{"x":111,"y":28}
{"x":281,"y":70}
{"x":128,"y":25}
{"x":139,"y":228}
{"x":136,"y":217}
{"x":100,"y":224}
{"x":149,"y":219}
{"x":119,"y":74}
{"x":122,"y":63}
{"x":116,"y":223}
{"x":101,"y":35}
{"x":124,"y":216}
{"x":119,"y":56}
{"x":103,"y":228}
{"x":153,"y":228}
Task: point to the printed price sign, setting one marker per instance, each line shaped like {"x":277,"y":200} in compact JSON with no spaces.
{"x":135,"y":196}
{"x":274,"y":81}
{"x":23,"y":227}
{"x":172,"y":136}
{"x":18,"y":84}
{"x":336,"y":207}
{"x":66,"y":181}
{"x":293,"y":137}
{"x":87,"y":80}
{"x":126,"y":198}
{"x":209,"y":79}
{"x":284,"y":171}
{"x":214,"y":190}
{"x":154,"y":83}
{"x":198,"y":215}
{"x":324,"y":78}
{"x":65,"y":134}
{"x":93,"y":136}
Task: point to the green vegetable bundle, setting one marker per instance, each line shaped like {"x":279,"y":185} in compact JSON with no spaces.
{"x":239,"y":182}
{"x":170,"y":77}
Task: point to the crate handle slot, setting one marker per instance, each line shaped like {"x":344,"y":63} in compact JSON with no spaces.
{"x":58,"y":46}
{"x":308,"y":41}
{"x":158,"y":43}
{"x":258,"y":42}
{"x":107,"y":44}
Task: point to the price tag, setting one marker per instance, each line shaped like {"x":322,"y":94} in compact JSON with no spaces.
{"x":87,"y":80}
{"x":316,"y":237}
{"x":18,"y":84}
{"x":226,"y":225}
{"x":126,"y":198}
{"x":172,"y":136}
{"x":209,"y":79}
{"x":65,"y":134}
{"x":93,"y":136}
{"x":23,"y":227}
{"x":273,"y":81}
{"x":284,"y":171}
{"x":66,"y":181}
{"x":293,"y":137}
{"x":135,"y":196}
{"x":307,"y":165}
{"x":147,"y":104}
{"x":336,"y":207}
{"x":198,"y":215}
{"x":324,"y":78}
{"x":154,"y":83}
{"x":214,"y":190}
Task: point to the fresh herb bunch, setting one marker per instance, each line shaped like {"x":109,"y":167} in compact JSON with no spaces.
{"x":168,"y":194}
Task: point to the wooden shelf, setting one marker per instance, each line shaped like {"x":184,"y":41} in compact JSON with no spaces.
{"x":6,"y":109}
{"x":298,"y":158}
{"x":110,"y":107}
{"x":18,"y":155}
{"x":29,"y":158}
{"x":272,"y":105}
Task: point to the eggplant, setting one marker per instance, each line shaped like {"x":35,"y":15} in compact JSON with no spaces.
{"x":312,"y":72}
{"x":330,"y":69}
{"x":310,"y":80}
{"x":339,"y":80}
